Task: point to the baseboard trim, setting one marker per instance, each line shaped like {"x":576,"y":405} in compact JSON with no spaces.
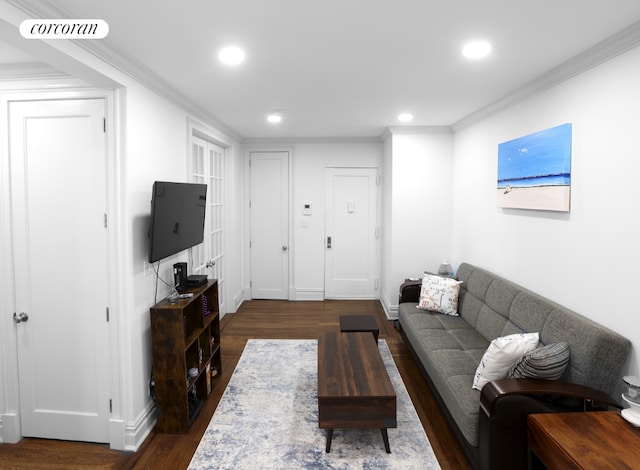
{"x":309,"y":294}
{"x":391,"y":311}
{"x":10,"y":432}
{"x":136,"y":432}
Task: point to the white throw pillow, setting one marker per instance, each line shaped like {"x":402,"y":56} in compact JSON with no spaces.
{"x":439,"y":294}
{"x":501,"y":355}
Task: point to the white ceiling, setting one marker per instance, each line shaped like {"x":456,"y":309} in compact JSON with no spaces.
{"x":347,"y":68}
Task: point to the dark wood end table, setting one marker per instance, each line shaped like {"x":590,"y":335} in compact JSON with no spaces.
{"x":589,"y":440}
{"x":354,"y":389}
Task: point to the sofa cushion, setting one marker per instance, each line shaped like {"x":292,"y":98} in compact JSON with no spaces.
{"x":450,"y":346}
{"x":439,"y":294}
{"x":548,"y":362}
{"x":501,"y":355}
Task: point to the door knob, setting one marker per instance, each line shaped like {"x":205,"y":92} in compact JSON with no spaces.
{"x":285,"y":247}
{"x":20,"y":318}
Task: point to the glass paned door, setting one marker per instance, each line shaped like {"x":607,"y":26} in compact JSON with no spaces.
{"x":207,"y":166}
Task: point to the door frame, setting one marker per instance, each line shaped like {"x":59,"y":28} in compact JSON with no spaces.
{"x":10,"y":428}
{"x":246,"y":216}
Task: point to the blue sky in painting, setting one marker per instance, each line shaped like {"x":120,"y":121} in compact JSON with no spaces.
{"x":542,"y":158}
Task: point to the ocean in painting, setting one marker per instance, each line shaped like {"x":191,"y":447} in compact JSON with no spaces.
{"x":539,"y":159}
{"x":534,"y":171}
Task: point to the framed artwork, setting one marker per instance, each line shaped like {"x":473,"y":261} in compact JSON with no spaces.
{"x":534,"y":171}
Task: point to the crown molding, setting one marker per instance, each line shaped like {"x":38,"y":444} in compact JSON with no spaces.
{"x":32,"y":70}
{"x":414,"y":130}
{"x":312,"y":140}
{"x":623,"y":41}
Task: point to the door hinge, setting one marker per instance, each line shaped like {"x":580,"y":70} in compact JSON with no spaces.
{"x":107,"y":314}
{"x":104,"y":124}
{"x":376,"y":282}
{"x":106,"y":219}
{"x":377,"y":179}
{"x":110,"y":405}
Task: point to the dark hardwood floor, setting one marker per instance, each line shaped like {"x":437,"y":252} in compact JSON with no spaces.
{"x":254,"y":319}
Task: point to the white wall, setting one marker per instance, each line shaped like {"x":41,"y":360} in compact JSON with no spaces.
{"x":586,"y":259}
{"x":418,"y":208}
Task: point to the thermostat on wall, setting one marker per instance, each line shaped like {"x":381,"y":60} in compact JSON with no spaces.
{"x":306,"y":208}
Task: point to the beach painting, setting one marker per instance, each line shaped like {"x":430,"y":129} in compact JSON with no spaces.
{"x":534,"y":171}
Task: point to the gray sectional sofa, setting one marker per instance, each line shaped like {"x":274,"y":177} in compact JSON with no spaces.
{"x":491,"y":424}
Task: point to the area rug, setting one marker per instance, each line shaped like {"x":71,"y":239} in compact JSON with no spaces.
{"x":268,"y":419}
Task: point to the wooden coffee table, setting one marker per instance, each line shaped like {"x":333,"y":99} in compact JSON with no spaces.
{"x":354,"y":390}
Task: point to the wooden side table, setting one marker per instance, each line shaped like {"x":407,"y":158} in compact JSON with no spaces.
{"x":599,"y":439}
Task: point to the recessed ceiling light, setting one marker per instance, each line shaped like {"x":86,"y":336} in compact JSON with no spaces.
{"x":405,"y":117}
{"x":274,"y":118}
{"x":231,"y":55}
{"x":476,"y":50}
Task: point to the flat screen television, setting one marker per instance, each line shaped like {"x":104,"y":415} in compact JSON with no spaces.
{"x":177,"y":218}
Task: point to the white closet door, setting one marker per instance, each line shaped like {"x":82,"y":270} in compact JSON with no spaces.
{"x":270,"y":225}
{"x":59,"y":199}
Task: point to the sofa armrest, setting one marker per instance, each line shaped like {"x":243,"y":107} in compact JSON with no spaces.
{"x":410,"y":291}
{"x":497,"y":389}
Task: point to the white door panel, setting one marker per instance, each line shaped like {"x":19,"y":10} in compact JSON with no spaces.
{"x":269,"y":225}
{"x":59,"y":200}
{"x":351,"y":218}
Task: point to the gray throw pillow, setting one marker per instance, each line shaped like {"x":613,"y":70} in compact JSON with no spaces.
{"x":548,"y":362}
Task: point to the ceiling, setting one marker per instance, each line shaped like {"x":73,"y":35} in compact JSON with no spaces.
{"x":345,"y":69}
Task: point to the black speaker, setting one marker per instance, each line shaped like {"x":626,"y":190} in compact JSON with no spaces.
{"x":180,"y":276}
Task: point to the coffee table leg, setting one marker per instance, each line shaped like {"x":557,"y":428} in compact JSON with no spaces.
{"x":329,"y":437}
{"x":385,"y":438}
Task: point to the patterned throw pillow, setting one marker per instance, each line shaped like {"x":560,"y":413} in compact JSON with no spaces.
{"x":500,"y":356}
{"x":439,"y":294}
{"x":548,"y":362}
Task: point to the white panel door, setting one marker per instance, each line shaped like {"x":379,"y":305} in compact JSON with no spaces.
{"x":58,"y":199}
{"x":269,"y":225}
{"x":351,"y":233}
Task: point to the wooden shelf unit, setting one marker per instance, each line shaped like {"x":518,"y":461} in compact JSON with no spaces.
{"x":184,"y":336}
